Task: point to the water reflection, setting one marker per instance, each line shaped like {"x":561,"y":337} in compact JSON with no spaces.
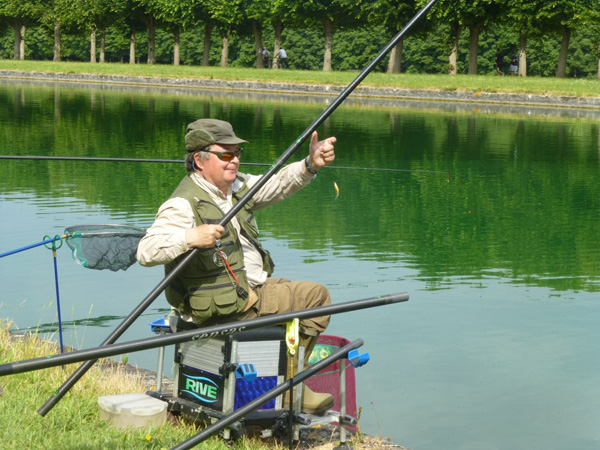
{"x":445,"y":101}
{"x":522,"y":194}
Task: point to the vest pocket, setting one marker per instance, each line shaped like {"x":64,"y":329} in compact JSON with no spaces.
{"x":214,"y":302}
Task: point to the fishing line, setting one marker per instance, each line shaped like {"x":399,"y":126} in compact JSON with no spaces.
{"x":180,"y":161}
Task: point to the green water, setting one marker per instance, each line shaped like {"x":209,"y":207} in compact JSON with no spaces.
{"x":491,"y":221}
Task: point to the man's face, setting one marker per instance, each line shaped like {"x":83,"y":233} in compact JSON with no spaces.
{"x":220,"y":173}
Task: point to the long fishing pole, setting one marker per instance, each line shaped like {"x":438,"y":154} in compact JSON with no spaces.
{"x":147,"y":301}
{"x":179,"y":161}
{"x":104,"y":351}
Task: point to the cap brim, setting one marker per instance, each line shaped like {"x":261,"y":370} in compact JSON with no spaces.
{"x":231,"y":140}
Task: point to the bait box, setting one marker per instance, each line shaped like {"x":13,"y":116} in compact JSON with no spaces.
{"x":132,"y":410}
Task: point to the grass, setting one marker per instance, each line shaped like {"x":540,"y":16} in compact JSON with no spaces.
{"x":577,"y":87}
{"x":73,"y":424}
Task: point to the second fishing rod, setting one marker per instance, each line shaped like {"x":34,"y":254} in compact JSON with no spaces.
{"x":149,"y":299}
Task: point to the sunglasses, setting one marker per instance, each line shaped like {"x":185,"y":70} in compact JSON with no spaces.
{"x":227,"y":156}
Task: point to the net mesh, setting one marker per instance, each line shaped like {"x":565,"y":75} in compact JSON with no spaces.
{"x":102,"y":247}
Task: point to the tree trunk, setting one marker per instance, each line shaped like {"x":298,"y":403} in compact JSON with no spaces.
{"x":132,"y":48}
{"x":17,"y":50}
{"x":225,"y":50}
{"x":598,"y":74}
{"x":103,"y":45}
{"x":93,"y":45}
{"x":278,"y":31}
{"x":151,"y":40}
{"x":523,"y":55}
{"x":22,"y":43}
{"x":258,"y":41}
{"x":456,"y":30}
{"x":474,"y":33}
{"x":207,"y":33}
{"x":395,"y":63}
{"x":56,"y":57}
{"x":561,"y":69}
{"x":176,"y":47}
{"x":328,"y":29}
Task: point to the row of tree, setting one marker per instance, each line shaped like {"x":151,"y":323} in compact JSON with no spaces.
{"x":447,"y":24}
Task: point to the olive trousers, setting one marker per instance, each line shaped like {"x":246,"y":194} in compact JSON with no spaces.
{"x":279,"y":295}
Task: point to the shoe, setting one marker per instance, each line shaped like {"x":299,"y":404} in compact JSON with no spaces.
{"x":312,"y":402}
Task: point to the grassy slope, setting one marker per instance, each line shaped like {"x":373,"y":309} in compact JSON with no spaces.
{"x":73,"y":424}
{"x":506,"y":84}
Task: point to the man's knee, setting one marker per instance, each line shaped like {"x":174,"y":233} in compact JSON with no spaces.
{"x":323,"y":293}
{"x":314,"y":294}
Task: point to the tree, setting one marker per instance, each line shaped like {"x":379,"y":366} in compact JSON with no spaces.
{"x":258,"y":13}
{"x":107,"y":13}
{"x":449,"y":13}
{"x":227,"y":15}
{"x":135,"y":19}
{"x":330,"y":14}
{"x":591,"y":18}
{"x":562,"y":17}
{"x":392,"y":15}
{"x":176,"y":16}
{"x":84,"y":16}
{"x":476,"y":15}
{"x":20,"y":14}
{"x":522,"y":17}
{"x":149,"y":9}
{"x":51,"y":18}
{"x":281,"y":15}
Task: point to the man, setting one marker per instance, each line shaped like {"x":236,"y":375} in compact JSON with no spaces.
{"x":499,"y":60}
{"x":229,"y":279}
{"x":266,"y":57}
{"x":514,"y":64}
{"x":282,"y":58}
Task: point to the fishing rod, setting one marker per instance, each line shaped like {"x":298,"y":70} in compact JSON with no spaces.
{"x":147,"y":301}
{"x":212,"y":331}
{"x":180,"y":161}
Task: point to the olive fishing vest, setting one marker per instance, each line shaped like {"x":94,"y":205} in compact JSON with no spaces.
{"x":205,"y":288}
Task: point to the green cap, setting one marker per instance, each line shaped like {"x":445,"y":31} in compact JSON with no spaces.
{"x":205,"y":132}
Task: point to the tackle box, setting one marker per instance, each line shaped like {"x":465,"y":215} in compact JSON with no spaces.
{"x":224,"y":373}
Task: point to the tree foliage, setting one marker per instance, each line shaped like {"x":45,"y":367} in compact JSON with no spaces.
{"x":552,"y":37}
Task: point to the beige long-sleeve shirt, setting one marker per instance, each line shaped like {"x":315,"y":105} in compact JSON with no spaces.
{"x":165,"y":240}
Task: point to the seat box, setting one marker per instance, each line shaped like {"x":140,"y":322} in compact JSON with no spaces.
{"x":205,"y":370}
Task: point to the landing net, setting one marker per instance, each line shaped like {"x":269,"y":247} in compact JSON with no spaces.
{"x":101,"y":247}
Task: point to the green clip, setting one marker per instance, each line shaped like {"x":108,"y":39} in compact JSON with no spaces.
{"x":52,"y":245}
{"x":292,"y":336}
